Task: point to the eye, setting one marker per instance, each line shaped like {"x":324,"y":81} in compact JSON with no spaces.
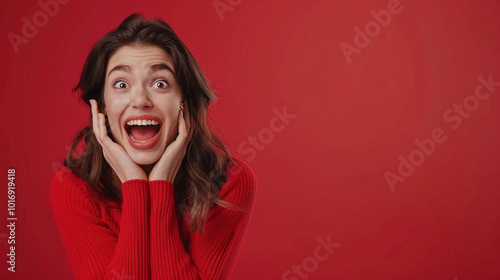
{"x":120,"y":84}
{"x":160,"y":84}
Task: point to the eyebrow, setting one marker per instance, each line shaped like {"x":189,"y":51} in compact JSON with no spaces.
{"x":159,"y":67}
{"x":125,"y":68}
{"x":153,"y":68}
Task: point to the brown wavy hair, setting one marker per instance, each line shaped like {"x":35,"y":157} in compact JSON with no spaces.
{"x":203,"y":169}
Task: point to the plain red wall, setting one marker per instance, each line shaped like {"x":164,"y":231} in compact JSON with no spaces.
{"x":321,"y":174}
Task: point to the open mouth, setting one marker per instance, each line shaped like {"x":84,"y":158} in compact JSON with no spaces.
{"x":142,"y":130}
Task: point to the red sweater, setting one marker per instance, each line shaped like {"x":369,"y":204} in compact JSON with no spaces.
{"x":142,"y":239}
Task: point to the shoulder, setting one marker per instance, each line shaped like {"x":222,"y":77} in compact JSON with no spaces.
{"x":240,"y":188}
{"x":239,"y":170}
{"x":69,"y":191}
{"x":65,"y":180}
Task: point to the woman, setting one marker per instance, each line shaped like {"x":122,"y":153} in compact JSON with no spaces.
{"x":147,"y":191}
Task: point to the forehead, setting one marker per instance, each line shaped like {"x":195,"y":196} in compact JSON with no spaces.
{"x":139,"y":58}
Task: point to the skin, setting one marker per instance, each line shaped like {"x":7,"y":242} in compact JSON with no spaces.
{"x":142,"y":91}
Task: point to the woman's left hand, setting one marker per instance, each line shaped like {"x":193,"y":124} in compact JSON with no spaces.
{"x":168,"y":165}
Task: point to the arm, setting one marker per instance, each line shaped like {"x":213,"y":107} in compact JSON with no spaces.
{"x":212,"y":254}
{"x":94,"y":251}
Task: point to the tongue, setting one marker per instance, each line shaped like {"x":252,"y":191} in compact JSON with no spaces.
{"x":143,"y":132}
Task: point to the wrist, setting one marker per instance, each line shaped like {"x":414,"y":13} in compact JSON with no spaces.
{"x":154,"y":184}
{"x":136,"y":178}
{"x":155,"y":178}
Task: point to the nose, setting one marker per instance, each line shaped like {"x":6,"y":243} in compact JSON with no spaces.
{"x":140,"y":98}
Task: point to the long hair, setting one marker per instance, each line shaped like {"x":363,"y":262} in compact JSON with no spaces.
{"x":203,"y":169}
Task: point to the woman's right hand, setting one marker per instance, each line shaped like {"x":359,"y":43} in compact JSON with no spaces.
{"x":121,"y":163}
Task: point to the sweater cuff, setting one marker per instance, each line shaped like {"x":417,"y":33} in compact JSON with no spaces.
{"x":161,"y":187}
{"x":162,"y":195}
{"x":162,"y":183}
{"x":135,"y":189}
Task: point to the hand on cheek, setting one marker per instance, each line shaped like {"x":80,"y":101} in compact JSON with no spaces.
{"x":169,"y":163}
{"x":121,"y":163}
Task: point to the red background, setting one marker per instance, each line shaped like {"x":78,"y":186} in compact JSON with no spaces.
{"x":323,"y":174}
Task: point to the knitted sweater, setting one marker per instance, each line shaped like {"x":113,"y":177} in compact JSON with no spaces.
{"x":144,"y":238}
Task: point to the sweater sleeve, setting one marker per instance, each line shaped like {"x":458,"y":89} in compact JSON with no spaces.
{"x":94,"y":251}
{"x":211,"y":254}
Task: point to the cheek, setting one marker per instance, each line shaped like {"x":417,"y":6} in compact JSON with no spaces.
{"x":116,"y":104}
{"x":171,"y":111}
{"x":114,"y":109}
{"x":171,"y":120}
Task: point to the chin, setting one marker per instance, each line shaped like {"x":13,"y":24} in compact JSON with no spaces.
{"x":144,"y":158}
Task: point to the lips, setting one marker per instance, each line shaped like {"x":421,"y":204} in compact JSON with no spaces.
{"x":143,"y":131}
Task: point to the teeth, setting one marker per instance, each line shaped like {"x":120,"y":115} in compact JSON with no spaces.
{"x":142,"y":122}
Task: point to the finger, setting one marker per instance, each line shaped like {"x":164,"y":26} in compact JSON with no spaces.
{"x":106,"y":142}
{"x":102,"y":126}
{"x":187,"y":118}
{"x":182,"y":124}
{"x":186,"y":114}
{"x":95,"y":116}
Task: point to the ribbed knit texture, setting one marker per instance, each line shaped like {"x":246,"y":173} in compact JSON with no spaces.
{"x":142,"y":239}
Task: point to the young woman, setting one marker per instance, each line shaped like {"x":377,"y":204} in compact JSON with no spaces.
{"x":147,"y":191}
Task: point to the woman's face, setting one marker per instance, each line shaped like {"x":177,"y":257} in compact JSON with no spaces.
{"x":142,"y":99}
